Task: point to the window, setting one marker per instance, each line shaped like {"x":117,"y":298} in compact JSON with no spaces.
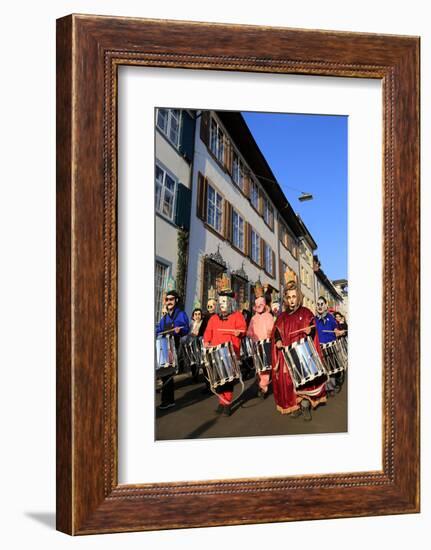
{"x":212,"y":272}
{"x":268,"y":213}
{"x":254,"y":194}
{"x":214,"y":209}
{"x":165,"y":193}
{"x":255,"y":247}
{"x":283,"y":271}
{"x":160,"y":281}
{"x":217,"y":141}
{"x":238,"y":171}
{"x":168,"y":120}
{"x":239,"y":286}
{"x":269,"y":268}
{"x":237,"y":230}
{"x":288,"y":241}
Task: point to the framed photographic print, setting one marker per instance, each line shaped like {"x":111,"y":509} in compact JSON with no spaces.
{"x":237,"y":240}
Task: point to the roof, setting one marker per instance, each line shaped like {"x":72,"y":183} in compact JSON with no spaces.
{"x":320,"y":274}
{"x":306,"y":234}
{"x":240,"y":133}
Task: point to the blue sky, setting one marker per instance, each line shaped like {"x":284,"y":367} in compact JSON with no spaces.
{"x":309,"y":153}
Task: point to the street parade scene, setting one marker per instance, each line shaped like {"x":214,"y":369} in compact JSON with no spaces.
{"x":251,"y":334}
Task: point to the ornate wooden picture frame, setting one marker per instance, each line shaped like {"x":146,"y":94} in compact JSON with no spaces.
{"x":89,"y":51}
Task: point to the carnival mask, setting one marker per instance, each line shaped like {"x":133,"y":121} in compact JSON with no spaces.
{"x":260,"y":305}
{"x":223,"y":303}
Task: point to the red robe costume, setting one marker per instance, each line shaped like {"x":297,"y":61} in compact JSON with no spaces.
{"x":286,"y":398}
{"x":214,"y":335}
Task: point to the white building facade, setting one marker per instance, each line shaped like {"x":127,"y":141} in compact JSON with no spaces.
{"x":174,"y":141}
{"x":235,"y":226}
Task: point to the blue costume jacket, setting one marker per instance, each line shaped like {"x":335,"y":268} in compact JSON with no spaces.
{"x":177,"y":319}
{"x":327,"y":323}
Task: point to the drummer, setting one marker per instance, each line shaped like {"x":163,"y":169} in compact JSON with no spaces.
{"x":176,"y":323}
{"x":341,"y":324}
{"x":260,"y":328}
{"x":328,"y":331}
{"x":196,"y":331}
{"x":227,"y":325}
{"x":294,"y":323}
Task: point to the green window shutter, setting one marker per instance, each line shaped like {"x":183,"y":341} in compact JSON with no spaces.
{"x":187,"y":137}
{"x":183,"y":207}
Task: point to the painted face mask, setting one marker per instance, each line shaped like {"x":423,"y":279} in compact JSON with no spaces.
{"x":260,"y":305}
{"x":223,"y":302}
{"x":211,"y":306}
{"x":322,"y":307}
{"x":292,"y":300}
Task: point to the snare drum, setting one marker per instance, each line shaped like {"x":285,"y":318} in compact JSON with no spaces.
{"x":345,"y":348}
{"x":263,"y":355}
{"x":333,"y":356}
{"x":247,"y":348}
{"x":304,"y":362}
{"x":166,"y":356}
{"x":193,"y":351}
{"x":221,"y":364}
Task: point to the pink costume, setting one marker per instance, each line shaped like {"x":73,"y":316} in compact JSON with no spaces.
{"x":260,"y":328}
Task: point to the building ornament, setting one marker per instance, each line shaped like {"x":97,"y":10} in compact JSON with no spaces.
{"x":217,"y":258}
{"x":240,"y":273}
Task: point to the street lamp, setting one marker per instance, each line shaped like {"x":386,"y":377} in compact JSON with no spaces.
{"x":305,"y":197}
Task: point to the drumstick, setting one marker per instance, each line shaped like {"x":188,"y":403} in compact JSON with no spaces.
{"x":169,"y":330}
{"x":230,"y":330}
{"x":301,"y":329}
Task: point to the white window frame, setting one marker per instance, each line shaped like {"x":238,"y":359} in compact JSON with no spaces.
{"x":212,"y":220}
{"x":255,"y":246}
{"x":217,"y":141}
{"x":254,"y":186}
{"x":239,"y":228}
{"x":238,"y":171}
{"x":158,"y":305}
{"x":167,"y":131}
{"x":269,"y":268}
{"x":268,"y":212}
{"x":159,"y":207}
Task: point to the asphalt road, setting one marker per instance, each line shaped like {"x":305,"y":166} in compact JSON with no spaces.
{"x":194,"y":414}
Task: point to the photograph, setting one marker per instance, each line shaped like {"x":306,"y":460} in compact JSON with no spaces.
{"x":251,"y":273}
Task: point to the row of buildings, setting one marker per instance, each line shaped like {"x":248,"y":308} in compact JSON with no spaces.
{"x":219,"y":209}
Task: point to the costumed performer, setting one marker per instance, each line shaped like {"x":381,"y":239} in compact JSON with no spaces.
{"x":292,"y":325}
{"x":260,"y":328}
{"x":227,"y":325}
{"x":175,"y":322}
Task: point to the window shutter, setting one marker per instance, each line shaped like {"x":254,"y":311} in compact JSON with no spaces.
{"x":228,"y":220}
{"x":228,"y":156}
{"x":247,"y":239}
{"x":262,"y":253}
{"x":260,"y":203}
{"x":187,"y":136}
{"x":246,"y":183}
{"x":280,"y":273}
{"x":201,"y":202}
{"x":273,"y":264}
{"x":183,"y":207}
{"x":205,"y":127}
